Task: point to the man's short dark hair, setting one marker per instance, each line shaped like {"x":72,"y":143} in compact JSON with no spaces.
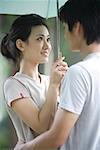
{"x":87,"y":12}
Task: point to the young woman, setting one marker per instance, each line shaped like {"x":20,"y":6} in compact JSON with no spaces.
{"x":31,"y":97}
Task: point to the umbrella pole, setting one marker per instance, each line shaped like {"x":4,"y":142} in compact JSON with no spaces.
{"x":59,"y":54}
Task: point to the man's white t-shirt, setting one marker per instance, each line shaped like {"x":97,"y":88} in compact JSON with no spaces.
{"x":18,"y":86}
{"x":80,"y":94}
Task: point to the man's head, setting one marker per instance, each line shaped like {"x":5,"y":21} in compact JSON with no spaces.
{"x":87,"y":13}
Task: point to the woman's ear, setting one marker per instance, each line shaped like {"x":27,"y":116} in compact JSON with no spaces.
{"x":20,"y":44}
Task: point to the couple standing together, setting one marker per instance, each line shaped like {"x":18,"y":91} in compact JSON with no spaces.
{"x":31,"y":98}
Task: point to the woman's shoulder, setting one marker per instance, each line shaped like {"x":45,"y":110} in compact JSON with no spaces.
{"x":9,"y":83}
{"x":9,"y":80}
{"x":12,"y":80}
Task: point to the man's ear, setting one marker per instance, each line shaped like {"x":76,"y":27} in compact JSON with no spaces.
{"x":20,"y":44}
{"x":77,"y":28}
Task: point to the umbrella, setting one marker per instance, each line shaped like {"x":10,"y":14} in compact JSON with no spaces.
{"x":45,"y":8}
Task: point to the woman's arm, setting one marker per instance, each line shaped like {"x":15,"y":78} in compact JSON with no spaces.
{"x":39,"y":119}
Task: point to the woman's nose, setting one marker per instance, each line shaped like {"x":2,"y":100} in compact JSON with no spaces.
{"x":46,"y":45}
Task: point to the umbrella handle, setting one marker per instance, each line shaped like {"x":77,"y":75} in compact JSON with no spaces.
{"x":58,"y":29}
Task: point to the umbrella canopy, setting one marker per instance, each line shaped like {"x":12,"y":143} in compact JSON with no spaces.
{"x":45,"y":8}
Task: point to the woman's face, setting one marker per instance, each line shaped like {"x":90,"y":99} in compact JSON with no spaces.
{"x":38,"y":46}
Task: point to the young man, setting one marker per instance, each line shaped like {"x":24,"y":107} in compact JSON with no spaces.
{"x":77,"y":122}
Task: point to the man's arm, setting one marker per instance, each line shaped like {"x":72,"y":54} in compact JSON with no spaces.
{"x":56,"y":136}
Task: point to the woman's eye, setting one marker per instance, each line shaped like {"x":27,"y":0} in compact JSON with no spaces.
{"x":39,"y":39}
{"x":48,"y":39}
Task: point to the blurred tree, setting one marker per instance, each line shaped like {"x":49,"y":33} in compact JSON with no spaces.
{"x":7,"y":132}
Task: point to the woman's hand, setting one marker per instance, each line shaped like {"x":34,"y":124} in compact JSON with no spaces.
{"x":58,"y":71}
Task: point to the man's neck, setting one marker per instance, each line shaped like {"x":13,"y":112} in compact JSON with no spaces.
{"x":88,"y":49}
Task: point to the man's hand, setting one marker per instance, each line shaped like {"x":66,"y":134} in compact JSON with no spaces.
{"x":21,"y":146}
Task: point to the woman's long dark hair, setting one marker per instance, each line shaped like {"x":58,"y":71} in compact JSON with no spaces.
{"x":20,"y":29}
